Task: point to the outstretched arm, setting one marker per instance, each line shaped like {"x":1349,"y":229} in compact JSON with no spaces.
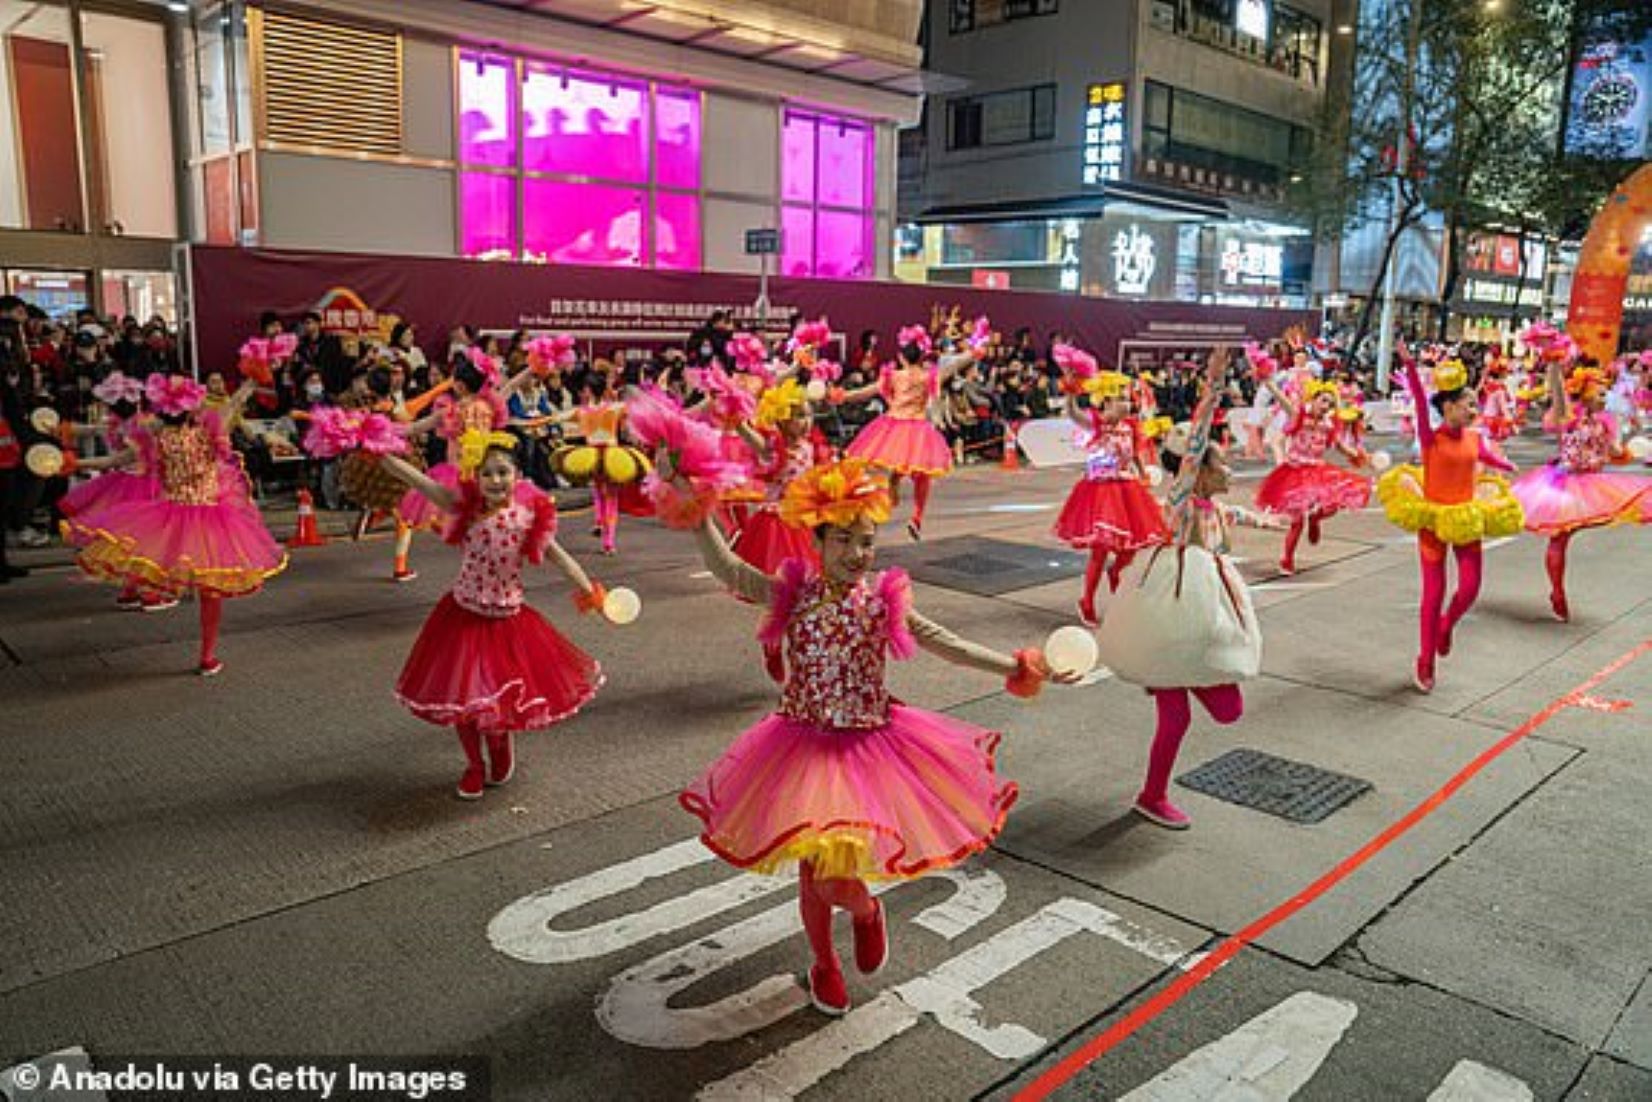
{"x":738,"y":575}
{"x":417,"y":405}
{"x":1412,"y":374}
{"x":1281,"y":397}
{"x":1199,"y":438}
{"x":859,"y":394}
{"x":238,"y":401}
{"x":756,"y":441}
{"x":1076,"y":414}
{"x":1495,"y":460}
{"x":123,"y":458}
{"x":558,"y":556}
{"x":439,"y":495}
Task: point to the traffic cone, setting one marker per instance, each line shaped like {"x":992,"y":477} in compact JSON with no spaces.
{"x":1012,"y":458}
{"x":306,"y":535}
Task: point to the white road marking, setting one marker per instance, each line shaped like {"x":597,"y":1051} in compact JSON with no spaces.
{"x":1471,"y":1082}
{"x":1263,"y":586}
{"x":945,"y":994}
{"x":700,"y":574}
{"x":1268,"y":1059}
{"x":634,"y":1008}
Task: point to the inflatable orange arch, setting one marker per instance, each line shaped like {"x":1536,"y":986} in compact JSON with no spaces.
{"x":1596,"y":313}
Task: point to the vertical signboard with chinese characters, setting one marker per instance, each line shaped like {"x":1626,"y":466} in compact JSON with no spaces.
{"x":1105,"y":136}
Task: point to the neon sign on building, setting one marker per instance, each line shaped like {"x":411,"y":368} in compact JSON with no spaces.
{"x":1104,"y":133}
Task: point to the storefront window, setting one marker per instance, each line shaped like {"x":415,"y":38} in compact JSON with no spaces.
{"x":60,"y":294}
{"x":140,"y":295}
{"x":609,"y":172}
{"x":40,"y":170}
{"x":827,"y":185}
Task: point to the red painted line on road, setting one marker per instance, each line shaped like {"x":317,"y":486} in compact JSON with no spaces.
{"x":1098,"y":1046}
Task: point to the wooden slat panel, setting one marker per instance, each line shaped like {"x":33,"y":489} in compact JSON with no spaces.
{"x":332,"y":85}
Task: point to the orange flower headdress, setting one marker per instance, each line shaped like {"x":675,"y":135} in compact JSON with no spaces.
{"x":837,"y":494}
{"x":1586,"y":383}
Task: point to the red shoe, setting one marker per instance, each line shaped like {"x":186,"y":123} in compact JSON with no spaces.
{"x":129,"y":602}
{"x":211,"y":669}
{"x":1287,"y":567}
{"x":1423,"y":676}
{"x":404,"y":575}
{"x":1163,"y":812}
{"x":501,"y":759}
{"x":827,"y":991}
{"x":1562,"y":611}
{"x":1087,"y":614}
{"x":470,"y":785}
{"x":871,"y":942}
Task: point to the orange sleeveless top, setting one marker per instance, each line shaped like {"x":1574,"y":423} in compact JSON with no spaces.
{"x":1449,"y":467}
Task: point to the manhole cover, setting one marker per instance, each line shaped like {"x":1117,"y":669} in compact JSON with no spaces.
{"x":975,"y":566}
{"x":1292,"y":790}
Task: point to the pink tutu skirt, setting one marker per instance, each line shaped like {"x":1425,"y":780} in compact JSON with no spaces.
{"x":1300,"y":489}
{"x":1115,"y":514}
{"x":1557,"y":501}
{"x":502,"y":673}
{"x":105,"y":491}
{"x":918,"y":793}
{"x":160,"y":545}
{"x":765,"y":541}
{"x":903,"y":445}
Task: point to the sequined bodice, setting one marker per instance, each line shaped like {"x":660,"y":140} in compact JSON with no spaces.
{"x":1308,"y":443}
{"x":908,"y":390}
{"x":490,"y":577}
{"x":189,"y":465}
{"x":835,"y":648}
{"x":1111,"y":448}
{"x":1586,"y":445}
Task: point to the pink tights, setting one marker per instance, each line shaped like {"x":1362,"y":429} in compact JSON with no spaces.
{"x":605,"y":500}
{"x":1224,"y":703}
{"x":815,"y":900}
{"x":921,"y":485}
{"x":1436,"y":629}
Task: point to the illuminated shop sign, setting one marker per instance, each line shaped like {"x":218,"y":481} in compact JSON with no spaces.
{"x":1071,"y":233}
{"x":1137,"y":257}
{"x":1251,"y":264}
{"x":1104,"y":134}
{"x":1251,"y":17}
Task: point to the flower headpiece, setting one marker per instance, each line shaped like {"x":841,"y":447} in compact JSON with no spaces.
{"x":1108,"y":384}
{"x":915,"y":334}
{"x":810,"y":335}
{"x":749,"y":352}
{"x":1262,"y":364}
{"x":173,"y":394}
{"x":837,"y":494}
{"x":546,"y":354}
{"x":781,"y":403}
{"x":282,"y":346}
{"x":1316,"y":387}
{"x":1450,"y":375}
{"x":118,"y":388}
{"x":980,"y":335}
{"x":474,"y":446}
{"x":1155,"y":427}
{"x":486,"y":364}
{"x":1586,"y":382}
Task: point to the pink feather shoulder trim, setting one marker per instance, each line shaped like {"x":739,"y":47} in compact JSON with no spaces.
{"x":788,"y":590}
{"x":543,"y":528}
{"x":895,"y":587}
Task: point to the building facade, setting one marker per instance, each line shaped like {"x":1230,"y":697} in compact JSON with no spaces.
{"x":1137,"y":149}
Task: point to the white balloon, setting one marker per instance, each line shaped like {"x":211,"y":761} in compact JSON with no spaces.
{"x":815,"y":391}
{"x":622,"y":606}
{"x":1640,"y":446}
{"x":1381,"y":460}
{"x":1071,"y":650}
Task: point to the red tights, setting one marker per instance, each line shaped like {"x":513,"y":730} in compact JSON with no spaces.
{"x":921,"y":485}
{"x":1224,"y":703}
{"x":1436,"y":630}
{"x":1555,"y":559}
{"x":212,"y":614}
{"x":815,"y":900}
{"x":1098,"y":563}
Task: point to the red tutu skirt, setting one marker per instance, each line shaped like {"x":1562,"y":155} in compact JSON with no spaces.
{"x":765,"y":541}
{"x":904,"y":445}
{"x":502,"y":673}
{"x":1300,"y":489}
{"x":752,"y":488}
{"x":920,"y":792}
{"x":1115,"y":514}
{"x":1557,"y":501}
{"x":106,"y":491}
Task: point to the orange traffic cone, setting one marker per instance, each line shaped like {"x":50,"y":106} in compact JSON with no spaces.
{"x":1012,"y":458}
{"x":306,"y":535}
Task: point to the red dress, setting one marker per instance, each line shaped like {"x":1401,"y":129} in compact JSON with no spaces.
{"x":766,"y":541}
{"x":1109,"y":509}
{"x":484,"y":656}
{"x":1305,"y":485}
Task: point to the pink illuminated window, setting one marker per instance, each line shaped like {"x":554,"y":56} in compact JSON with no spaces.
{"x":844,"y":157}
{"x":843,"y":241}
{"x":487,"y":205}
{"x":677,"y":231}
{"x":797,"y":241}
{"x":487,"y":110}
{"x":584,"y":125}
{"x":797,"y":158}
{"x":582,"y":223}
{"x":677,"y":138}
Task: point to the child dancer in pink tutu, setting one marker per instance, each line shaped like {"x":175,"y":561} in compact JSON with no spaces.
{"x":784,"y":452}
{"x":1304,"y":487}
{"x":902,"y":441}
{"x":1573,"y":491}
{"x":198,"y":531}
{"x":1110,"y":512}
{"x":123,"y":395}
{"x":842,"y":779}
{"x":486,"y":663}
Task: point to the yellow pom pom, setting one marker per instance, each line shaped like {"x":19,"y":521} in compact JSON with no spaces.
{"x":580,"y":462}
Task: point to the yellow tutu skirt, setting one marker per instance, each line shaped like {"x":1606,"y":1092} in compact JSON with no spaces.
{"x":619,"y":464}
{"x":1493,"y":512}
